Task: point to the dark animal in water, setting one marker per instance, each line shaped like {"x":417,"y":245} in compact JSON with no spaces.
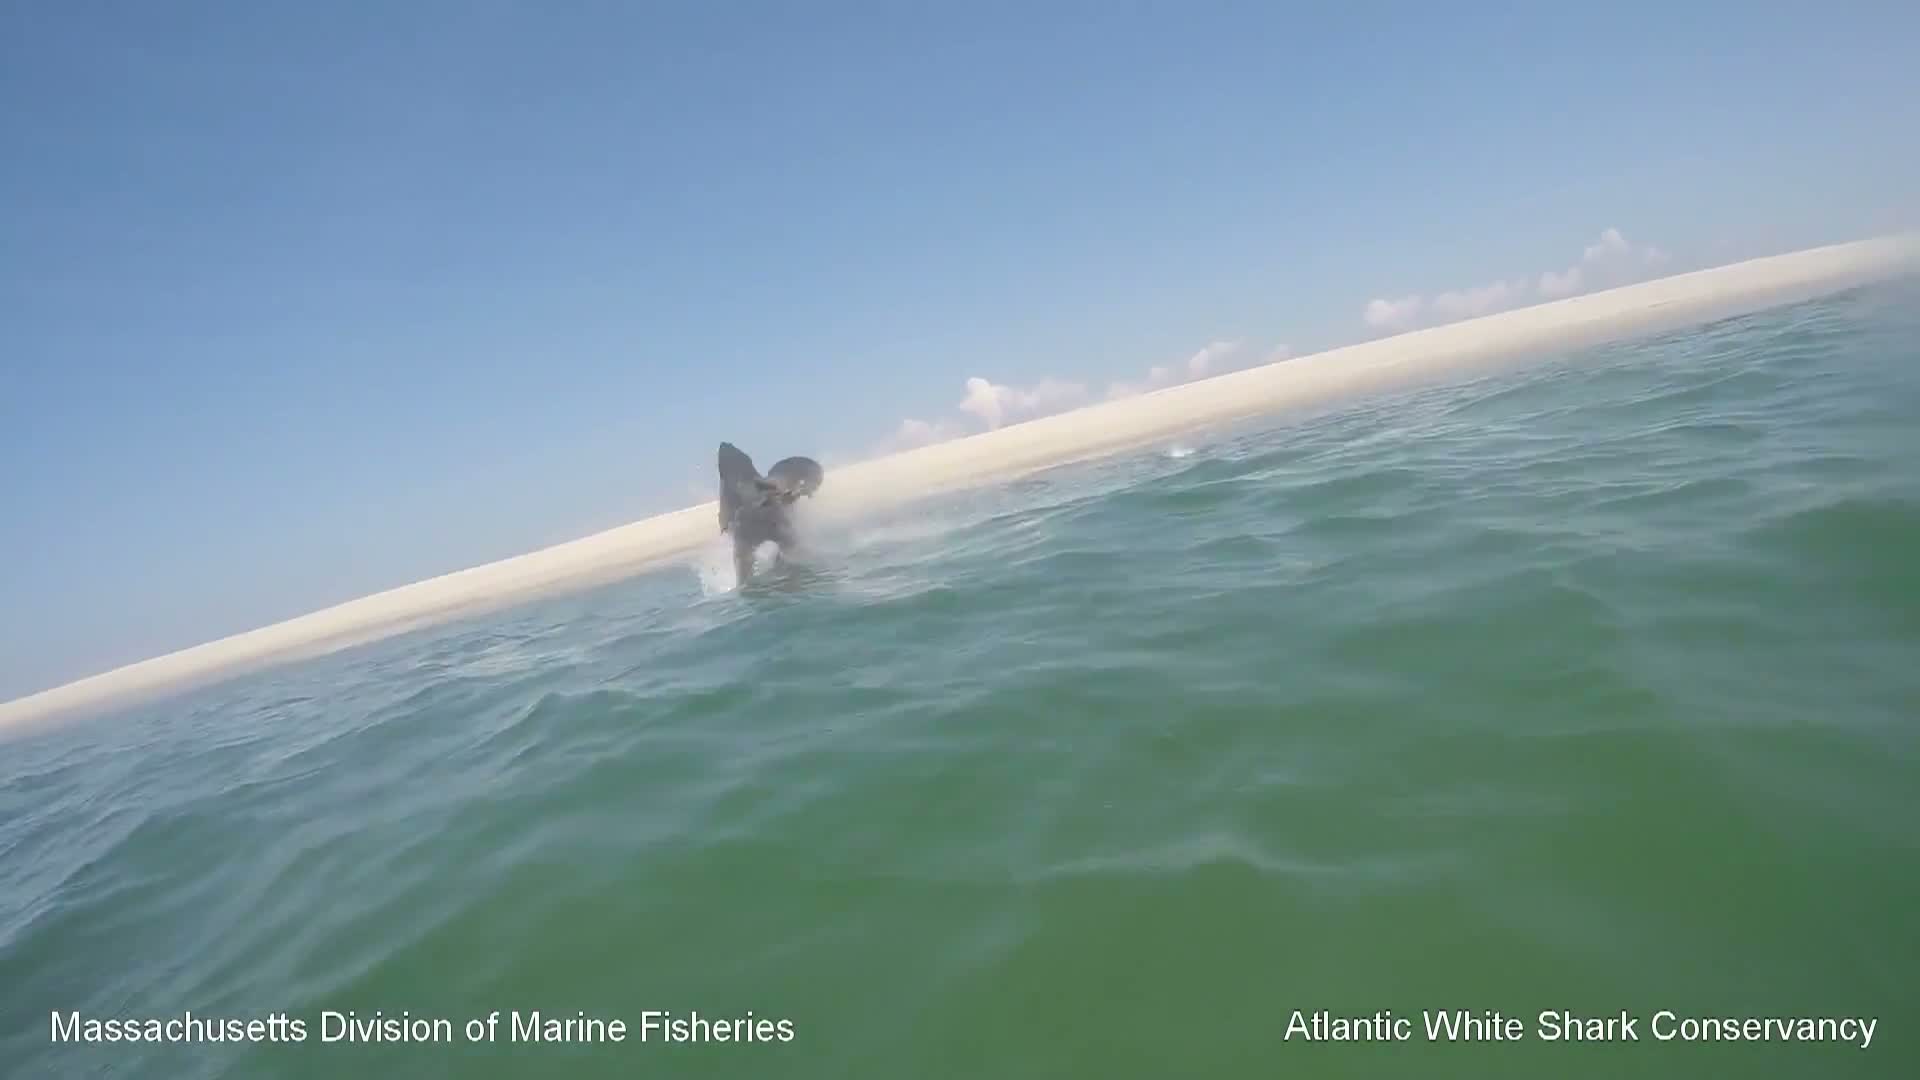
{"x":755,"y":509}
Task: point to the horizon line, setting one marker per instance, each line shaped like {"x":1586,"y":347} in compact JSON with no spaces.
{"x":1093,"y":430}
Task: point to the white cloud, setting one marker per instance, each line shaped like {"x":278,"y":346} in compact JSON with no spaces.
{"x":1560,"y":283}
{"x":1393,"y":312}
{"x":995,"y":403}
{"x":1467,"y":303}
{"x":1198,"y":366}
{"x":1611,"y":260}
{"x":1611,"y":243}
{"x":913,"y":433}
{"x":1202,"y":362}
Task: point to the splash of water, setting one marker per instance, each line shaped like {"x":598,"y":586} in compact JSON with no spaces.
{"x":713,"y":565}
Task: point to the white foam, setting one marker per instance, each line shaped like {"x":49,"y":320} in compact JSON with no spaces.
{"x":712,"y":564}
{"x":1016,"y":449}
{"x":902,"y":532}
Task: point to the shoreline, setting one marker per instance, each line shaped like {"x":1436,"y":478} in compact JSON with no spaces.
{"x":1093,"y":431}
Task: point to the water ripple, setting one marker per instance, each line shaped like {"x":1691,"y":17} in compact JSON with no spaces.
{"x":1603,"y":668}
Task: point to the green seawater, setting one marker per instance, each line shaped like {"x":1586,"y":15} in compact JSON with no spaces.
{"x":1591,"y":685}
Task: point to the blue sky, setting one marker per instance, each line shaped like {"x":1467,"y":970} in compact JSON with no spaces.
{"x":302,"y":301}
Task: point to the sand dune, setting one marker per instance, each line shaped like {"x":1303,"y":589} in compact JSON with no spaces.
{"x":1324,"y":377}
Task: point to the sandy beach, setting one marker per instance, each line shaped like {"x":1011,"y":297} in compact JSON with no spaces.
{"x":1321,"y":378}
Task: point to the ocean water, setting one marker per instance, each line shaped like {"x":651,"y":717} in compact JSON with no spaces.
{"x":1591,"y":685}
